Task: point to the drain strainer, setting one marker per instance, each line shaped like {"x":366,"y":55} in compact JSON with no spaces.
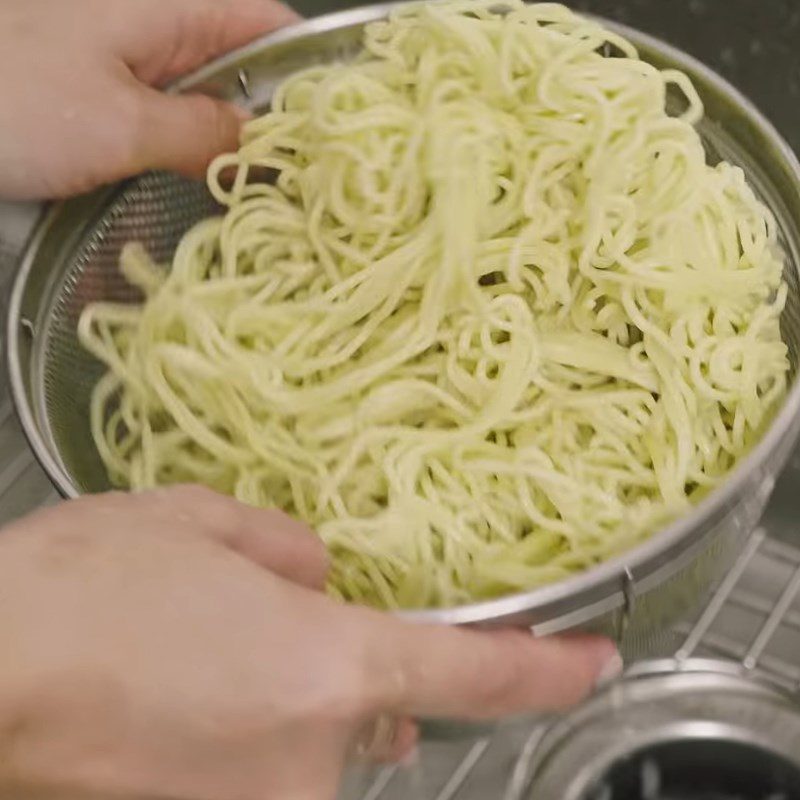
{"x":706,"y":731}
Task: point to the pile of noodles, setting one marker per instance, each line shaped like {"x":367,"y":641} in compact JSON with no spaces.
{"x":494,"y":321}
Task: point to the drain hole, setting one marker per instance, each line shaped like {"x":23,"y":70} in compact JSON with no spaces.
{"x":699,"y":769}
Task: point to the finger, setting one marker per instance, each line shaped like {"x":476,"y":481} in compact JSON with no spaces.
{"x":267,"y":537}
{"x":405,"y":742}
{"x":282,"y":545}
{"x":184,"y":133}
{"x":178,"y":36}
{"x":431,"y":670}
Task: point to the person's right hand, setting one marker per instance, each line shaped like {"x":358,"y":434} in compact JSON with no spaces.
{"x":175,"y":644}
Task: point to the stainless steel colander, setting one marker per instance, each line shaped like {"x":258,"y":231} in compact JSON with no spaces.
{"x":73,"y":257}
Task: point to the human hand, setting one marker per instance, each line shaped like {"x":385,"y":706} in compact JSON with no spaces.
{"x":77,"y":103}
{"x":175,"y":644}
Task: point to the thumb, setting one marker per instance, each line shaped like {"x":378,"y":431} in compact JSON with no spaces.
{"x":183,"y":133}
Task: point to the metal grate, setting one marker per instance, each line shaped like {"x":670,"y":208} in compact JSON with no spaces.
{"x":753,"y":618}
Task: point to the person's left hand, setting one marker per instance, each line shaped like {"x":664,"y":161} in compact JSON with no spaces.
{"x":79,"y":88}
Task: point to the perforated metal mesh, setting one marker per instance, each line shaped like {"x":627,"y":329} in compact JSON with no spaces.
{"x":155,"y":210}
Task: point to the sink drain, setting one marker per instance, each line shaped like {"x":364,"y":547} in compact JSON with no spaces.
{"x":699,"y":769}
{"x":704,"y":731}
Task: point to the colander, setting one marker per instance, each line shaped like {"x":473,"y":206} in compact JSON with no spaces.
{"x":72,"y":260}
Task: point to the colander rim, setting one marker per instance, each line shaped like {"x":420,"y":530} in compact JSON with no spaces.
{"x":603,"y":584}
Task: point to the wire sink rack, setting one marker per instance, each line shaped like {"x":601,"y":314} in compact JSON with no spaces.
{"x":752,"y":618}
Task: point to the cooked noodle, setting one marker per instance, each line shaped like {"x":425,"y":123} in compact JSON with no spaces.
{"x":494,"y":321}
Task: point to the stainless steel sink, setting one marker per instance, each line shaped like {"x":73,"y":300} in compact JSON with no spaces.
{"x":754,"y":617}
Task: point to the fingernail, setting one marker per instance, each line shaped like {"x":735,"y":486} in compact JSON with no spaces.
{"x":611,"y":670}
{"x":411,"y":758}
